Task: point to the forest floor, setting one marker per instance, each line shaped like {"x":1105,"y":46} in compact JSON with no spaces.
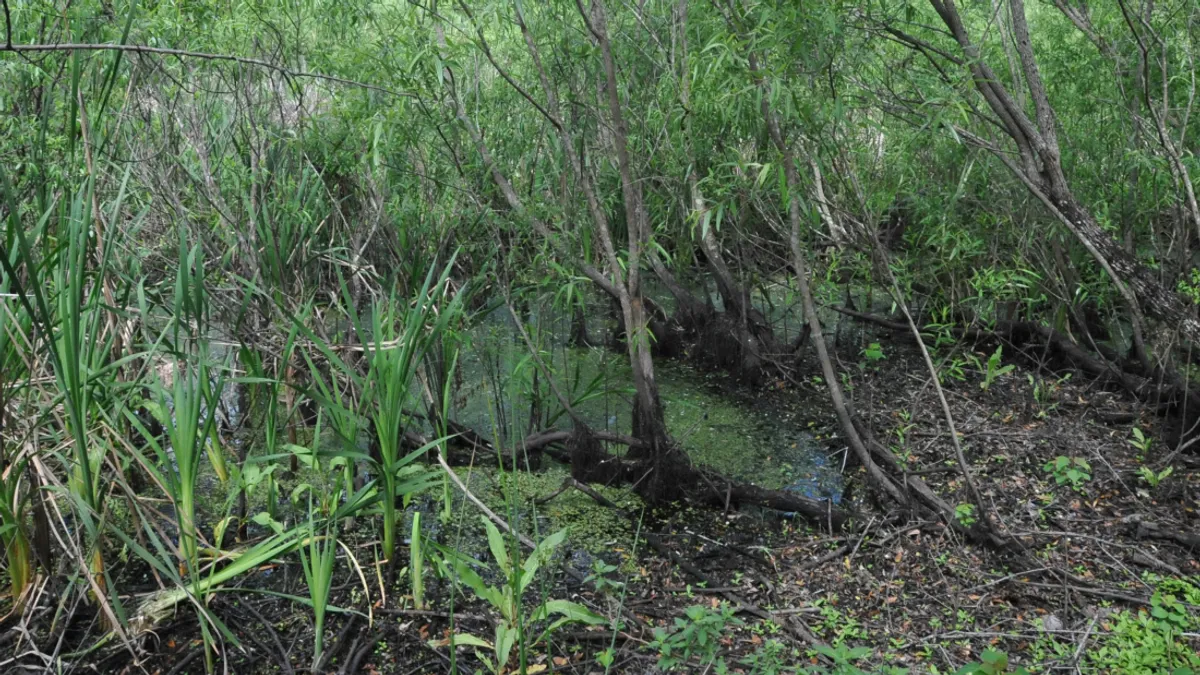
{"x":1101,"y":574}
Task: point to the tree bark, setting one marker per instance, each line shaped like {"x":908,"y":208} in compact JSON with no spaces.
{"x":649,"y":422}
{"x":792,"y":177}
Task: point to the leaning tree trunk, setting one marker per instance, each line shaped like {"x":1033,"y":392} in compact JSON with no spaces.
{"x":649,"y":421}
{"x":799,"y":260}
{"x":741,"y":340}
{"x":1039,"y":167}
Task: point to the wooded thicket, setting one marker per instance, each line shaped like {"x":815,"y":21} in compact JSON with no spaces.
{"x":281,"y":222}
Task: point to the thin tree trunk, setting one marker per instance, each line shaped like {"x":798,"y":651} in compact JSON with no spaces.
{"x":828,"y":371}
{"x":649,"y":421}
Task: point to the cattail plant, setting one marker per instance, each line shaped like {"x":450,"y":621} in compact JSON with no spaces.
{"x":186,"y":405}
{"x":401,"y":332}
{"x":14,"y":543}
{"x":336,"y":398}
{"x":14,"y":540}
{"x":416,"y":564}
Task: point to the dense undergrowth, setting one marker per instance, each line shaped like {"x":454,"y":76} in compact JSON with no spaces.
{"x":756,"y":337}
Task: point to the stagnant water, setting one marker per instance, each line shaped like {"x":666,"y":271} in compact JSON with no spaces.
{"x":752,"y":438}
{"x":770,"y":440}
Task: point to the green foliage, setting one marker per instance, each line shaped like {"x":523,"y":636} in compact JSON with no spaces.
{"x":1150,"y":642}
{"x":992,"y":662}
{"x":695,"y":641}
{"x":1153,"y":478}
{"x":224,"y":196}
{"x":844,"y":658}
{"x":317,"y":561}
{"x":14,"y":541}
{"x":965,"y":514}
{"x":599,"y":577}
{"x":1140,"y":441}
{"x":771,"y":658}
{"x":398,"y":342}
{"x":1190,"y":286}
{"x":1073,"y":471}
{"x":1139,"y":642}
{"x":873,"y":352}
{"x":183,"y":408}
{"x":416,"y":563}
{"x":994,"y":370}
{"x":836,"y":624}
{"x":515,"y":626}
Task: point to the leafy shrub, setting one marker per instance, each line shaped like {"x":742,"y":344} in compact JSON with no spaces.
{"x":992,"y":662}
{"x":1074,"y":471}
{"x":697,"y":636}
{"x":512,"y":630}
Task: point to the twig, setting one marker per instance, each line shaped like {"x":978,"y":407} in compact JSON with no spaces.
{"x":431,"y":614}
{"x":832,"y":555}
{"x":283,"y":653}
{"x":146,"y":49}
{"x":337,"y":646}
{"x":356,"y":657}
{"x":861,"y":539}
{"x":1083,"y":642}
{"x":483,"y":507}
{"x":561,"y":489}
{"x":1084,"y":590}
{"x":185,"y":661}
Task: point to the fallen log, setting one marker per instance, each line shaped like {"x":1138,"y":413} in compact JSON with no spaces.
{"x":1148,"y":529}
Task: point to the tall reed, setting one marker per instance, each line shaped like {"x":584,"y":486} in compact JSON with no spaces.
{"x":186,"y":400}
{"x":400,"y":334}
{"x":61,"y":290}
{"x":14,"y":540}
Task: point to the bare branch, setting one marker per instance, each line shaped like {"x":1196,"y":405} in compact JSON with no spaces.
{"x":185,"y":53}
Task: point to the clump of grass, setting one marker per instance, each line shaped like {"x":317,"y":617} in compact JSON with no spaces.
{"x":401,"y":333}
{"x":317,"y":559}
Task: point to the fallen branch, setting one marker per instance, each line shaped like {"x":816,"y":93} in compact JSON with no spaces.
{"x":500,"y":522}
{"x":1147,"y":529}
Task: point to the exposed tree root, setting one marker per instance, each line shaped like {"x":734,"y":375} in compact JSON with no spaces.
{"x":923,"y":498}
{"x":711,"y":488}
